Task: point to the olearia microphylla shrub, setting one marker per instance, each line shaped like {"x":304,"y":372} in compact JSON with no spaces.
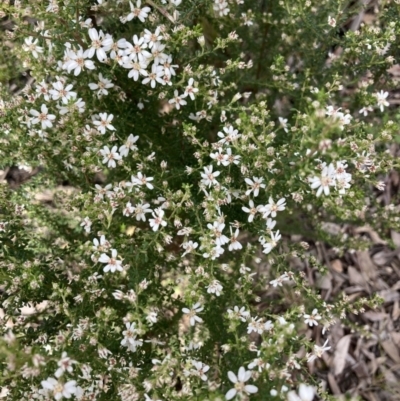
{"x":183,"y":147}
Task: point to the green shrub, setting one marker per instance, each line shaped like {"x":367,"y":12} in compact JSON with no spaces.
{"x":183,"y":146}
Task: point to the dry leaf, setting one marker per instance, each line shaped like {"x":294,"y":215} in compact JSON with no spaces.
{"x":375,"y":316}
{"x":371,"y":397}
{"x":382,"y":258}
{"x":389,"y":295}
{"x":341,"y":351}
{"x":385,"y":256}
{"x":395,"y":237}
{"x":396,"y":286}
{"x":355,"y":289}
{"x":391,"y":349}
{"x":394,"y":70}
{"x":361,"y":370}
{"x":325,"y":282}
{"x":366,"y":264}
{"x":395,"y":337}
{"x":396,"y":311}
{"x":337,"y":265}
{"x":389,"y":376}
{"x":375,"y":238}
{"x":333,"y":385}
{"x":356,"y":278}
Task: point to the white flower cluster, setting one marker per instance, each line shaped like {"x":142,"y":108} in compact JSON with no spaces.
{"x":139,"y":211}
{"x":338,"y":116}
{"x":165,"y":226}
{"x":67,"y":102}
{"x":331,"y":176}
{"x":56,"y":387}
{"x":221,"y":8}
{"x":130,"y":337}
{"x":144,"y":57}
{"x":200,"y":370}
{"x":209,"y":178}
{"x":269,"y":210}
{"x":140,"y":55}
{"x":240,"y":388}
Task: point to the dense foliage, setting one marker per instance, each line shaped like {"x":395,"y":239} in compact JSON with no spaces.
{"x":177,"y":150}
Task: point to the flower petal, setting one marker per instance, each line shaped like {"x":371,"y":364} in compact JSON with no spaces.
{"x":232,"y":377}
{"x":249,"y":388}
{"x":306,"y":393}
{"x":230,"y":394}
{"x":104,"y":258}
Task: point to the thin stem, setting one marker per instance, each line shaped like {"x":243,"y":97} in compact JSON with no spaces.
{"x":74,"y":33}
{"x":163,"y":11}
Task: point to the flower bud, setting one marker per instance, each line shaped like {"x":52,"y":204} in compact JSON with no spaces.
{"x":201,"y":40}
